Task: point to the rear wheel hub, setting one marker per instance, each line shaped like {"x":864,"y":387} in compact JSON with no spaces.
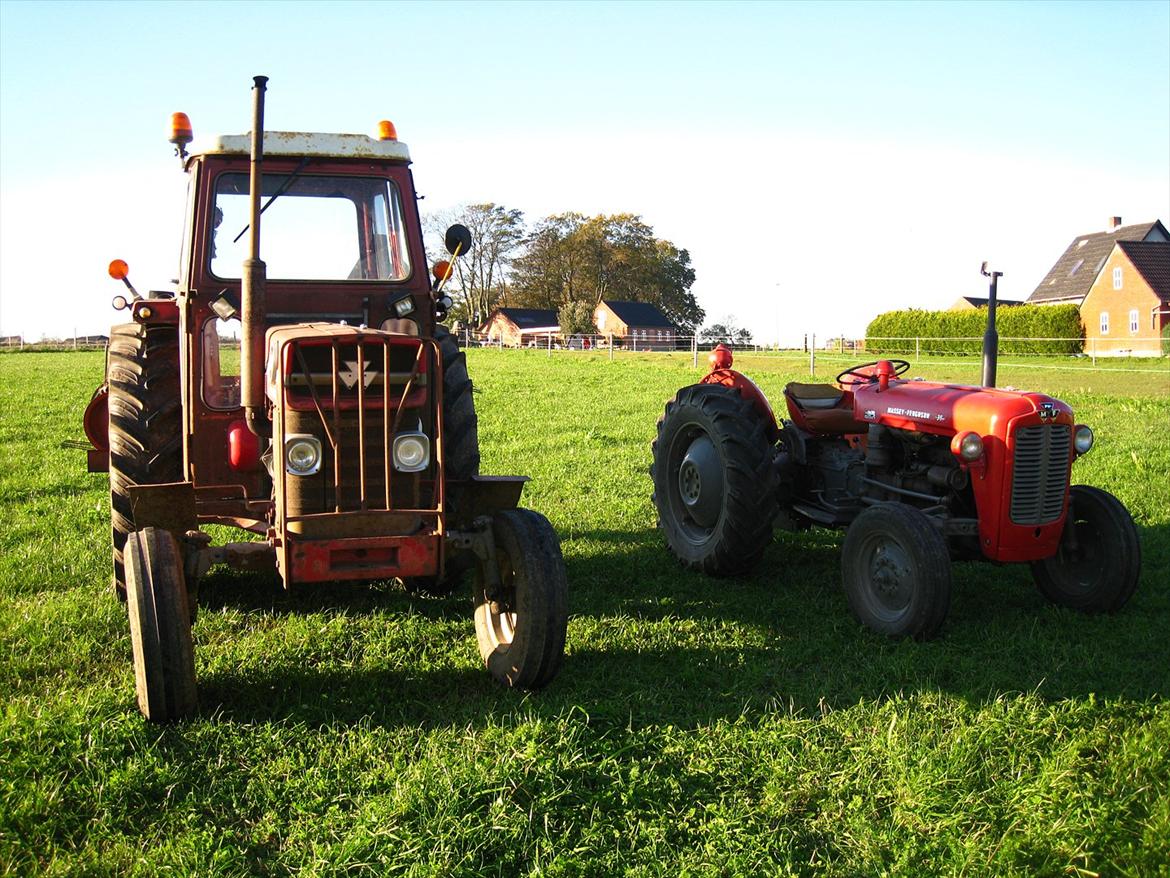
{"x":700,"y":482}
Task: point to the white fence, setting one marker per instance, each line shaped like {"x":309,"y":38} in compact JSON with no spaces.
{"x":835,"y":350}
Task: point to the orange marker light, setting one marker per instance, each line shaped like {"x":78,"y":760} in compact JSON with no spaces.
{"x":387,"y":131}
{"x":441,"y":269}
{"x":180,"y":129}
{"x":119,"y":270}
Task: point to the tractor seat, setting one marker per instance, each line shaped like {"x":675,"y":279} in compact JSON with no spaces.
{"x":814,"y":396}
{"x":822,"y":408}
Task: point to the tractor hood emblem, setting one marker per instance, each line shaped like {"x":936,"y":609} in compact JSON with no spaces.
{"x":350,"y":376}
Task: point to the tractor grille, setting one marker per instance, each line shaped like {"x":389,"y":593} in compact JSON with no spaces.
{"x":1040,"y":473}
{"x":342,"y":485}
{"x":322,"y":368}
{"x":355,"y":396}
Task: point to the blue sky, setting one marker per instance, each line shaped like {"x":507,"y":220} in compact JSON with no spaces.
{"x":821,"y":162}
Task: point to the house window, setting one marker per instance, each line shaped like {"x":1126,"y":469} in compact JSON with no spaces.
{"x":1104,"y":322}
{"x":1117,"y":278}
{"x":1133,"y":320}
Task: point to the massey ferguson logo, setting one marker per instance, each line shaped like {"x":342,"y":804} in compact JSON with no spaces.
{"x":1047,"y":410}
{"x":870,"y":415}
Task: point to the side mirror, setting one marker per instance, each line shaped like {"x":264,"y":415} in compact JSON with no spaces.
{"x":458,"y":239}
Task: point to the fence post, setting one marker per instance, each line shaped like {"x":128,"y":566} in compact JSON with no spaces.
{"x":1093,"y":350}
{"x":695,"y":350}
{"x":549,"y":344}
{"x":917,"y":356}
{"x":635,"y":342}
{"x":812,"y":355}
{"x":611,"y":347}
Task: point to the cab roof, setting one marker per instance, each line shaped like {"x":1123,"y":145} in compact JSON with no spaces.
{"x":300,"y":143}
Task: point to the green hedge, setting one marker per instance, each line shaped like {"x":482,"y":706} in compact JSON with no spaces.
{"x":1021,"y":330}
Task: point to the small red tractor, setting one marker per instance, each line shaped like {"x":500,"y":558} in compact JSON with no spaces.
{"x":917,"y":473}
{"x":313,"y":400}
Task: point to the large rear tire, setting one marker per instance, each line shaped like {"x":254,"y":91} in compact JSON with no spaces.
{"x":1100,"y":573}
{"x":897,"y":571}
{"x":160,"y":626}
{"x":146,"y":422}
{"x":460,"y":426}
{"x":520,"y":627}
{"x":460,"y":449}
{"x":715,"y":486}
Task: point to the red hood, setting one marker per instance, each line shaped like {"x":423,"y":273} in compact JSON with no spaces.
{"x":947,"y":409}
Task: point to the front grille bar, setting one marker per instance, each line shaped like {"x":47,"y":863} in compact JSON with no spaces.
{"x":331,"y":419}
{"x":1040,"y":471}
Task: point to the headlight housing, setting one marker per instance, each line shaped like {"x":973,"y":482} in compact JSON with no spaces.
{"x":302,"y":454}
{"x":1082,"y":438}
{"x":412,"y":451}
{"x":967,"y":446}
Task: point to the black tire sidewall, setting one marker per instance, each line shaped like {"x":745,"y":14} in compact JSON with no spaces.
{"x":533,"y":656}
{"x":930,"y":568}
{"x":743,"y":529}
{"x":1113,"y":532}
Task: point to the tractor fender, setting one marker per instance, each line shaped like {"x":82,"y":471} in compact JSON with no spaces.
{"x":96,"y":419}
{"x":96,"y":423}
{"x":749,"y":390}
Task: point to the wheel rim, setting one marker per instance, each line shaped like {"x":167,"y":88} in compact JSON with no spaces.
{"x":502,"y":610}
{"x":885,"y":567}
{"x":700,"y":482}
{"x":1081,"y":569}
{"x":695,"y":484}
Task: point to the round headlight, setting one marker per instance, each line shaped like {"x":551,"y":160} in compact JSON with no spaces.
{"x":302,"y":455}
{"x":412,"y":452}
{"x":970,"y":447}
{"x":1083,"y":439}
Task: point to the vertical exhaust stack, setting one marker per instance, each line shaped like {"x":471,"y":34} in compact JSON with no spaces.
{"x":990,"y":336}
{"x":254,"y":284}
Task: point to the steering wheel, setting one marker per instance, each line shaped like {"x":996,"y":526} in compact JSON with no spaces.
{"x":859,"y":376}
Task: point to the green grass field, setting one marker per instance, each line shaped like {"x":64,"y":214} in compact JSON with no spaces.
{"x":698,"y":726}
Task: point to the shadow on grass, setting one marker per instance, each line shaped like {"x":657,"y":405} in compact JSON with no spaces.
{"x":652,"y":643}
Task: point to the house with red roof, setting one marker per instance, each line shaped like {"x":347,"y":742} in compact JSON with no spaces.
{"x":1120,"y":281}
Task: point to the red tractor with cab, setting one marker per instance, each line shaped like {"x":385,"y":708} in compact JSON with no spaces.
{"x":917,"y":473}
{"x":312,"y":399}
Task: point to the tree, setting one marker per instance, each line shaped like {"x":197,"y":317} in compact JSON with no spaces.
{"x":576,"y":318}
{"x":725,"y":333}
{"x":573,"y":258}
{"x":479,"y":281}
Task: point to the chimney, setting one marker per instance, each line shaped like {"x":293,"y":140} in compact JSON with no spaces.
{"x":1114,"y":223}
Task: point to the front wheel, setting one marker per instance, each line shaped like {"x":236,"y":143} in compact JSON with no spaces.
{"x":897,"y":571}
{"x":160,"y":625}
{"x":520,"y":622}
{"x":1096,"y":568}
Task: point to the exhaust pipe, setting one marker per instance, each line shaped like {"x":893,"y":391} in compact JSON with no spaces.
{"x":990,"y":336}
{"x":254,"y":285}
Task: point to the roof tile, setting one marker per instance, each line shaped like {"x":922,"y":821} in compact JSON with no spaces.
{"x":1073,"y":274}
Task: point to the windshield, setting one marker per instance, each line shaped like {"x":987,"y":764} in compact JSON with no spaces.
{"x":316,"y":228}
